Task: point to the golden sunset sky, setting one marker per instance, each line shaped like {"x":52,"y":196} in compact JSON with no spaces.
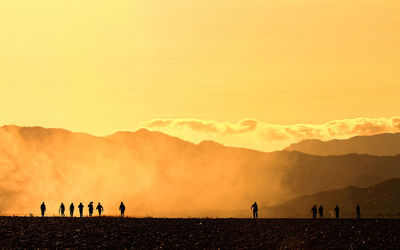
{"x":242,"y":72}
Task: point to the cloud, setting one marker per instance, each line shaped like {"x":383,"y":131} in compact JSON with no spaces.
{"x":265,"y":132}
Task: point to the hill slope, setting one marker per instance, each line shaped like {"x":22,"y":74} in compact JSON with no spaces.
{"x":159,"y":175}
{"x":382,"y":199}
{"x":382,"y":144}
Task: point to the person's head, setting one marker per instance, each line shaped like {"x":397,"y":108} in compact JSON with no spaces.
{"x":62,"y":203}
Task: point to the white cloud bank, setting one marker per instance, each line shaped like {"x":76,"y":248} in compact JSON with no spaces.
{"x":264,"y":136}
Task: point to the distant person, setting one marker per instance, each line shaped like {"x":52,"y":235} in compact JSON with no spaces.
{"x":71,"y":209}
{"x":61,"y":210}
{"x":314,"y":212}
{"x":43,"y":209}
{"x":337,"y":211}
{"x":90,"y":206}
{"x":99,"y":208}
{"x":255,"y":210}
{"x":321,"y":212}
{"x":122,"y":209}
{"x":80,"y":207}
{"x":358,"y":211}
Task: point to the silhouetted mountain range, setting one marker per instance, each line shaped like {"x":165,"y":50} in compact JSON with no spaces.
{"x":382,"y":144}
{"x":380,"y":200}
{"x":159,"y":175}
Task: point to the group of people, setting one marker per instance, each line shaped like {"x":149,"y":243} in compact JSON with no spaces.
{"x":99,"y":208}
{"x":321,"y":211}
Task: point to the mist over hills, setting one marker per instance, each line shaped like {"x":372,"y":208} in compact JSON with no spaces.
{"x":381,"y":144}
{"x":380,"y":200}
{"x":159,"y":175}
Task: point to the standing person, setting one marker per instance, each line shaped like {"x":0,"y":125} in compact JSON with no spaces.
{"x":314,"y":211}
{"x":337,"y":211}
{"x":99,"y":208}
{"x":80,"y":207}
{"x":321,"y":212}
{"x":61,"y":210}
{"x":122,"y":209}
{"x":358,"y":211}
{"x":71,"y":209}
{"x":255,"y":210}
{"x":43,"y":209}
{"x":90,"y":206}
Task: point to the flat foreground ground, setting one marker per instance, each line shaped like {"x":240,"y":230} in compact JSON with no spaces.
{"x":113,"y":232}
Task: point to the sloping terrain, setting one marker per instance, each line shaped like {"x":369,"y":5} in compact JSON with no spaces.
{"x":380,"y":200}
{"x":381,"y":144}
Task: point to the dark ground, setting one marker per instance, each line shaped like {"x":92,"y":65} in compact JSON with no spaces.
{"x":113,"y":232}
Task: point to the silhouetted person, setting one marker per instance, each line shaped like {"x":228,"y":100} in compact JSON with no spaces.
{"x":90,"y":206}
{"x":99,"y":208}
{"x":80,"y":207}
{"x":61,"y":210}
{"x":71,"y":209}
{"x":43,"y":208}
{"x":255,"y":210}
{"x":122,"y":209}
{"x":314,"y":212}
{"x":337,"y":211}
{"x":358,"y":211}
{"x":321,"y":212}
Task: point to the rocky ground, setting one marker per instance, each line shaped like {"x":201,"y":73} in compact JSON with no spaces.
{"x":112,"y":232}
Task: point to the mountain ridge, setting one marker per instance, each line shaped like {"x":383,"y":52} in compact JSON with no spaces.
{"x":386,"y":144}
{"x":378,"y":200}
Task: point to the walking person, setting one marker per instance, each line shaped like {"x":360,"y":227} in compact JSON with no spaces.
{"x":255,"y":210}
{"x":90,"y":206}
{"x":314,"y":211}
{"x":358,"y":211}
{"x":80,"y":207}
{"x":43,"y":209}
{"x":321,"y":212}
{"x":99,"y":208}
{"x":337,"y":211}
{"x":122,"y":209}
{"x":61,"y":210}
{"x":71,"y":209}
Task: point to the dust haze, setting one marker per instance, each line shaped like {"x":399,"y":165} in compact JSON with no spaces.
{"x":157,"y":175}
{"x":152,"y":173}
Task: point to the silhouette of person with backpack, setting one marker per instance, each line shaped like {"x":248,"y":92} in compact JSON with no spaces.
{"x":337,"y":211}
{"x":358,"y":211}
{"x":43,"y":209}
{"x":61,"y":210}
{"x":321,"y":212}
{"x":90,"y":206}
{"x":255,"y":210}
{"x":99,"y":208}
{"x":80,"y":207}
{"x":71,"y":209}
{"x":314,"y":212}
{"x":122,"y":209}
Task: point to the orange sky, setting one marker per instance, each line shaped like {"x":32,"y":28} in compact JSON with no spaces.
{"x":101,"y":66}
